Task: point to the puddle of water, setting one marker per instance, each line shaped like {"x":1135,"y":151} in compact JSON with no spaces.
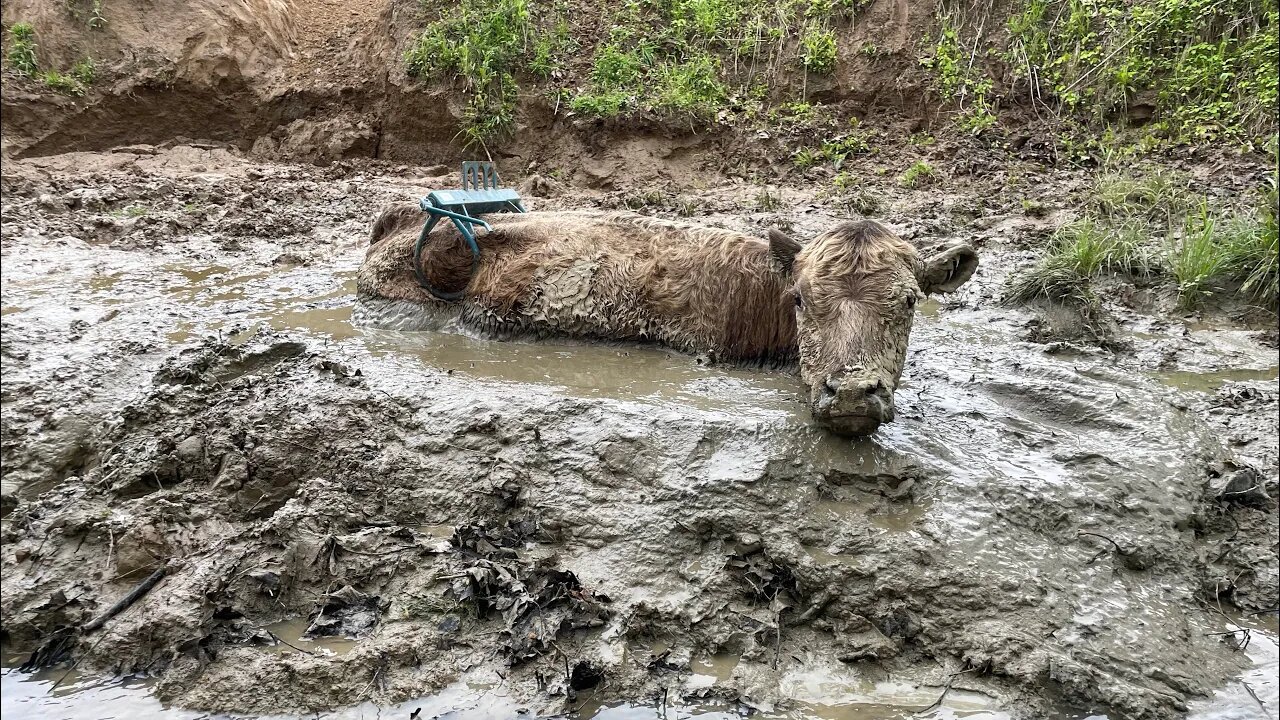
{"x":293,"y":639}
{"x":626,"y":373}
{"x":896,"y":517}
{"x":713,"y":669}
{"x":1210,"y":381}
{"x":1255,"y":695}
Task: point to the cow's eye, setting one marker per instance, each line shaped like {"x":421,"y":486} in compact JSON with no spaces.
{"x":911,"y":300}
{"x":799,"y":301}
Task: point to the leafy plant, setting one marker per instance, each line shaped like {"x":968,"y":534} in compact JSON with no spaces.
{"x":84,"y":71}
{"x":818,"y":50}
{"x":481,"y":41}
{"x":1208,"y":67}
{"x":920,"y":173}
{"x":22,"y":48}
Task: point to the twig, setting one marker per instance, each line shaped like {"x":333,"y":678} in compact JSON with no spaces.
{"x":945,"y":689}
{"x":74,"y":663}
{"x":134,"y":595}
{"x":1254,"y":695}
{"x":1119,"y":550}
{"x":281,"y":640}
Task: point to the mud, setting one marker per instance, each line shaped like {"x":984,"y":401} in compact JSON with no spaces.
{"x":360,"y":519}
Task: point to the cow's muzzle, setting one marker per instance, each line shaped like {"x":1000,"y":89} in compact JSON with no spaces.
{"x":852,"y":403}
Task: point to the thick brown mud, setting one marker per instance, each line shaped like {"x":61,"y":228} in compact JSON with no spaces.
{"x":359,"y":518}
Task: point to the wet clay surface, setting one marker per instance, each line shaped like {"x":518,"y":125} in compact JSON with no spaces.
{"x":352,"y":516}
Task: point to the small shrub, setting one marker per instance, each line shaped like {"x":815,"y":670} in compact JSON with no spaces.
{"x":921,"y":173}
{"x":22,"y":48}
{"x":818,"y":50}
{"x":975,"y":121}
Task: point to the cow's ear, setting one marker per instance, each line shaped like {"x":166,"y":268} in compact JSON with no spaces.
{"x":783,"y":249}
{"x":946,"y":269}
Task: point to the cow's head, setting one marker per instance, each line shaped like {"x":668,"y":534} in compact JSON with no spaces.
{"x":855,"y":291}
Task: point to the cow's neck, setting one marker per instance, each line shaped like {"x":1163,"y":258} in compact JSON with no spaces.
{"x":751,"y":316}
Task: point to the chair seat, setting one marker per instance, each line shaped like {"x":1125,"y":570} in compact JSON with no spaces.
{"x":475,"y":202}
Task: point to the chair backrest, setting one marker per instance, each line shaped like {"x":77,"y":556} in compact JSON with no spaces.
{"x":479,"y":175}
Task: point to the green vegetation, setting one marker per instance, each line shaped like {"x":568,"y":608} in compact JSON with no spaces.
{"x":22,"y":57}
{"x":90,"y":13}
{"x":1201,"y":70}
{"x":483,"y":42}
{"x":699,"y":60}
{"x":1208,"y":67}
{"x":22,"y":48}
{"x":837,"y":148}
{"x":1156,"y":226}
{"x":960,"y":79}
{"x":59,"y":82}
{"x":84,"y":71}
{"x":819,"y":50}
{"x":920,"y":173}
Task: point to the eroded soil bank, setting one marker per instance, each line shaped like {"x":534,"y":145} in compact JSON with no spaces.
{"x":1047,"y":528}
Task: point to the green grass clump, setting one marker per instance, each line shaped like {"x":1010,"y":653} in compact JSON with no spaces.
{"x":22,"y":48}
{"x":1079,"y":252}
{"x":1139,"y":227}
{"x":482,"y":41}
{"x":920,"y":173}
{"x":1216,"y":250}
{"x":84,"y":71}
{"x":59,"y":82}
{"x":1160,"y":194}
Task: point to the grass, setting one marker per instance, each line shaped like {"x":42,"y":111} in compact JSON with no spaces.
{"x":920,"y":173}
{"x":59,"y":82}
{"x":680,"y":60}
{"x":1153,"y":226}
{"x":483,"y":42}
{"x":1208,"y":66}
{"x":1079,"y":252}
{"x":22,"y":48}
{"x":22,"y":57}
{"x":1160,"y":194}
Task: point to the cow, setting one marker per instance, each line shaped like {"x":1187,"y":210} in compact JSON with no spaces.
{"x":839,"y":306}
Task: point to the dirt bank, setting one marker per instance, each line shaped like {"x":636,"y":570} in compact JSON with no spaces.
{"x":1050,"y":525}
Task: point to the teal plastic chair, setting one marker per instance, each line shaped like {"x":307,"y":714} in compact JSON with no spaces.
{"x":481,"y":194}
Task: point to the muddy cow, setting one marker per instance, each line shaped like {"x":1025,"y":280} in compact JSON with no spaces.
{"x":840,"y":305}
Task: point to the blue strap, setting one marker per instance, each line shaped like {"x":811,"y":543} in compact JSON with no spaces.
{"x":464,"y":224}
